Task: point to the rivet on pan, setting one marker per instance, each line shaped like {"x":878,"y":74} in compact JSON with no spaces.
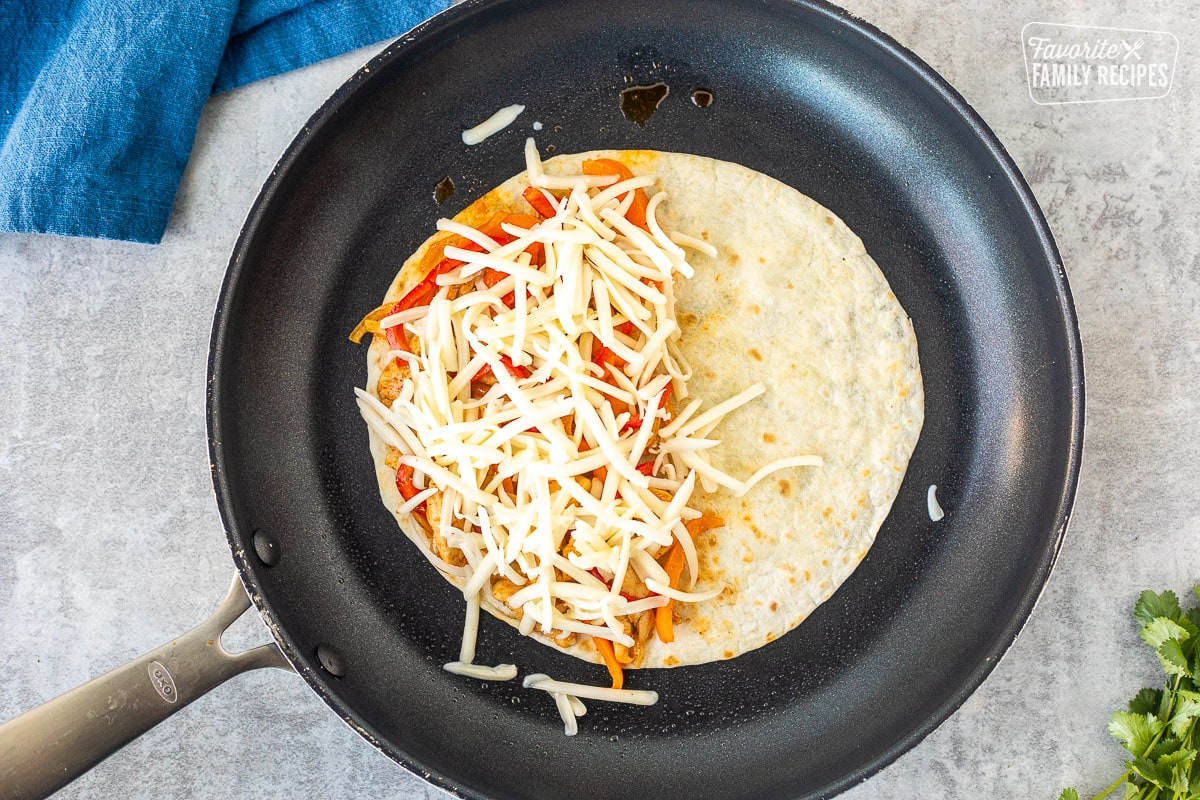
{"x":266,"y":549}
{"x":331,"y":660}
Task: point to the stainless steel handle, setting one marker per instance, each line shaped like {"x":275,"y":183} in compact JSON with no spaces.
{"x":46,"y":748}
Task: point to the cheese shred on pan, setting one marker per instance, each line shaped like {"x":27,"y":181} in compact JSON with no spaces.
{"x":536,"y":409}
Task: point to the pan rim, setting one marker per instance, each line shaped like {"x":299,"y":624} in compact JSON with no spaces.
{"x":903,"y":58}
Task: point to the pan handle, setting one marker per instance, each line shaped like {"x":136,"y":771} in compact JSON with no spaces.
{"x":46,"y":748}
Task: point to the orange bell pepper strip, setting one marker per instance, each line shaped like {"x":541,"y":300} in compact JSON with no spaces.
{"x":672,"y":564}
{"x":603,"y":355}
{"x":605,"y":648}
{"x":370,"y":323}
{"x":540,"y":204}
{"x":607,"y":166}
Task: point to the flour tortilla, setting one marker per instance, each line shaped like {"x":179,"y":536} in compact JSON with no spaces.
{"x":792,"y":300}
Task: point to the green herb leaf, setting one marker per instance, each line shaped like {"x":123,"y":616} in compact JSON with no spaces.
{"x":1182,"y":757}
{"x":1187,"y":710}
{"x":1146,"y":701}
{"x":1135,"y":731}
{"x":1171,"y":656}
{"x":1161,"y":629}
{"x":1164,"y":747}
{"x":1069,"y":794}
{"x":1151,"y":773}
{"x":1151,"y":606}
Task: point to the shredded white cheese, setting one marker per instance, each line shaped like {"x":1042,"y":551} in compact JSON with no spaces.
{"x":637,"y":697}
{"x":500,"y":672}
{"x":935,"y":509}
{"x":538,"y":419}
{"x":492,"y":125}
{"x":567,"y":712}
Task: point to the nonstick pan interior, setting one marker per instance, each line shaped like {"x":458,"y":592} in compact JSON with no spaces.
{"x":801,"y":92}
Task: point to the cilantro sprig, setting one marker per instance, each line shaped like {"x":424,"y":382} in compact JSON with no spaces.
{"x":1159,"y":729}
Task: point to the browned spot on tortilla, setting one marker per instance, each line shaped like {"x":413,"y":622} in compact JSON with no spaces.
{"x":757,"y":356}
{"x":807,"y":576}
{"x":824,"y":562}
{"x":904,"y":392}
{"x":829,"y":220}
{"x":716,"y":277}
{"x":757,"y":533}
{"x":789,"y":285}
{"x":785,"y":488}
{"x":727,"y":594}
{"x":866,"y":472}
{"x":701,"y":625}
{"x":671,"y":661}
{"x":792,"y":581}
{"x":754,"y":309}
{"x":749,"y":557}
{"x":774,"y":606}
{"x":827,"y":512}
{"x":762,"y":260}
{"x":770,"y":636}
{"x":768,"y":437}
{"x":734,"y":258}
{"x":704,"y":235}
{"x":728,"y":654}
{"x":746,"y":518}
{"x":708,"y":373}
{"x":689,"y":318}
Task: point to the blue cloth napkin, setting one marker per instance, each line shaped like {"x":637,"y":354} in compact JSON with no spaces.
{"x":99,"y":99}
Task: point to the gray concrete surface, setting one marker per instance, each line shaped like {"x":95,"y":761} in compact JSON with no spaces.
{"x":110,"y":541}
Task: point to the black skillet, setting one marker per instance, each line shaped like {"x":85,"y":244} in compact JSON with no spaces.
{"x":801,"y":91}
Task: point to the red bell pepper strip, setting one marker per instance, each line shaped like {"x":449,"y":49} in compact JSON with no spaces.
{"x":404,"y":483}
{"x":518,"y":372}
{"x":635,"y":421}
{"x":426,"y":288}
{"x":600,"y":578}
